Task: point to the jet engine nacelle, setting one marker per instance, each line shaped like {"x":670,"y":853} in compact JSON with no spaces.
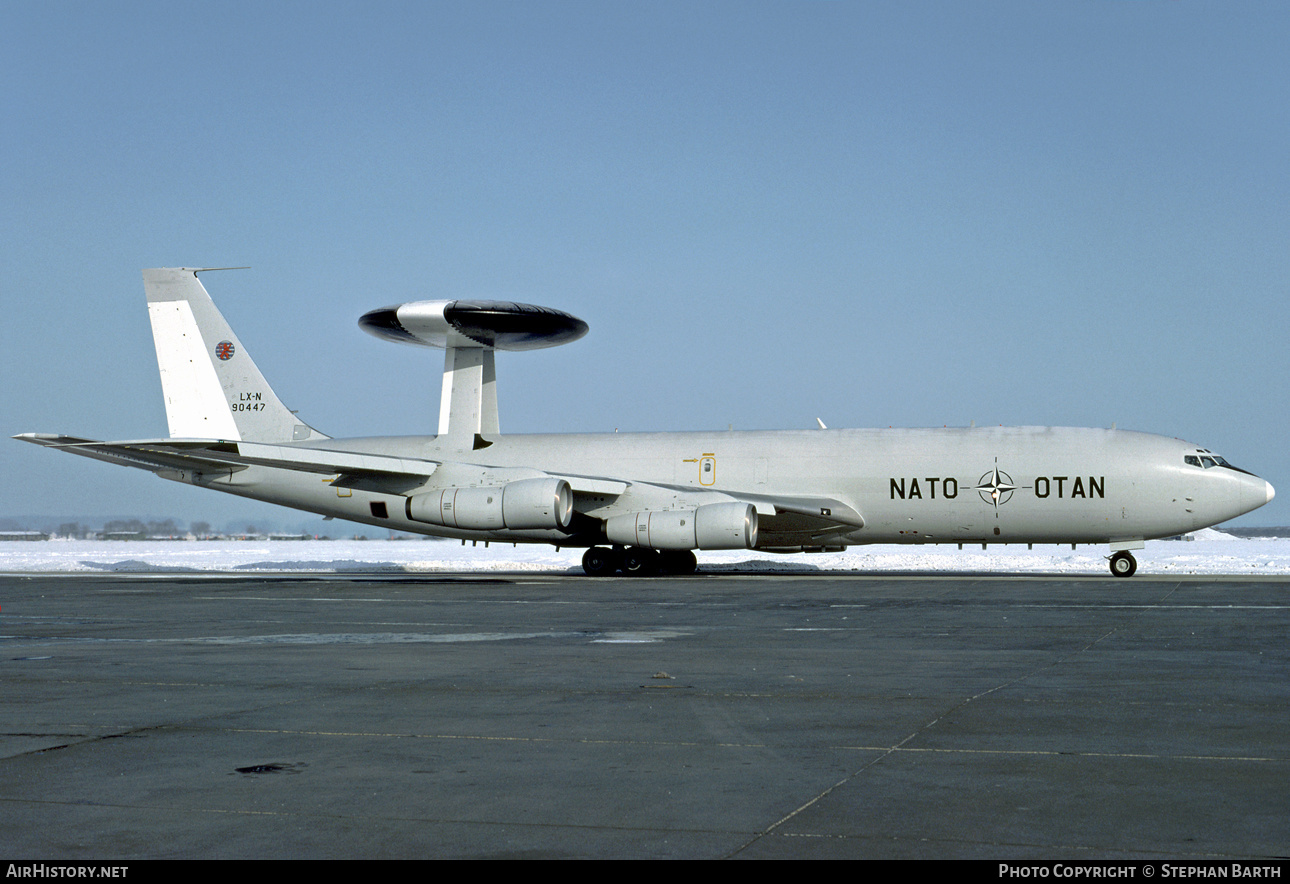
{"x":712,"y":526}
{"x":524,"y":503}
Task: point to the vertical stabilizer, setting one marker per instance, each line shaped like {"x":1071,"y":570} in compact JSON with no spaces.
{"x":212,"y":387}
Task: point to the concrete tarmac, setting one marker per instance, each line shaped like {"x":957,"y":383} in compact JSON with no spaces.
{"x":733,"y":716}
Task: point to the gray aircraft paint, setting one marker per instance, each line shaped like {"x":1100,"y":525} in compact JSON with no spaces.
{"x":811,"y":489}
{"x":1148,"y":490}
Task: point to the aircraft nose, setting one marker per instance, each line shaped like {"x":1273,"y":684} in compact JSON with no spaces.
{"x":1255,"y":492}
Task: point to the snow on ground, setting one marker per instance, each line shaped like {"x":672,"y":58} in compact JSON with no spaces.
{"x":1211,"y":552}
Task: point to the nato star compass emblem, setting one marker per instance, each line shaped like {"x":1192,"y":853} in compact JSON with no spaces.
{"x":995,"y":487}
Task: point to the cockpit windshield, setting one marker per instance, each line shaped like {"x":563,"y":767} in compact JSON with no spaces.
{"x":1206,"y":460}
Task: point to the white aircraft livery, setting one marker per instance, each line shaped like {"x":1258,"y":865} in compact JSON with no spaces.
{"x":642,"y":503}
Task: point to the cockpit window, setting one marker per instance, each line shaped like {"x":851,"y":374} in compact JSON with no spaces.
{"x":1206,"y":459}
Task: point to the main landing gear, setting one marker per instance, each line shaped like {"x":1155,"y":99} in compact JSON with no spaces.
{"x":1123,"y":564}
{"x":637,"y":561}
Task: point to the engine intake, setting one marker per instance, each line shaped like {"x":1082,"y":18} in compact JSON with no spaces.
{"x":525,"y":503}
{"x":712,"y":526}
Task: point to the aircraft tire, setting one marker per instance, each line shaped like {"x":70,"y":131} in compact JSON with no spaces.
{"x":1123,"y":564}
{"x":640,"y":562}
{"x":679,"y":561}
{"x":600,"y":562}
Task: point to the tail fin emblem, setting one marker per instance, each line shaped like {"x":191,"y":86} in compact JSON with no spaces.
{"x":224,"y":350}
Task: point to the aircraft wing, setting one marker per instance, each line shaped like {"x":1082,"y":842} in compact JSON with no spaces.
{"x":793,"y":522}
{"x":785,"y":519}
{"x":393,"y":475}
{"x":826,"y":511}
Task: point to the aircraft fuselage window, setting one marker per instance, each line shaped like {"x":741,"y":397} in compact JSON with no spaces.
{"x":1192,"y":460}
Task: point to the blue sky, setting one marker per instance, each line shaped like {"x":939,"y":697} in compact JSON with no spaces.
{"x":878,"y":214}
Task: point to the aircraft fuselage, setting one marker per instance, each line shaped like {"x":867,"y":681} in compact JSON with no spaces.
{"x":978,"y":485}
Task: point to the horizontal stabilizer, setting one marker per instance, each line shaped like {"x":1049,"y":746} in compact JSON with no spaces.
{"x":153,"y":455}
{"x":218,"y":454}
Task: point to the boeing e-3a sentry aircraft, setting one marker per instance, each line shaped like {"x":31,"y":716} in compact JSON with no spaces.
{"x":642,"y":503}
